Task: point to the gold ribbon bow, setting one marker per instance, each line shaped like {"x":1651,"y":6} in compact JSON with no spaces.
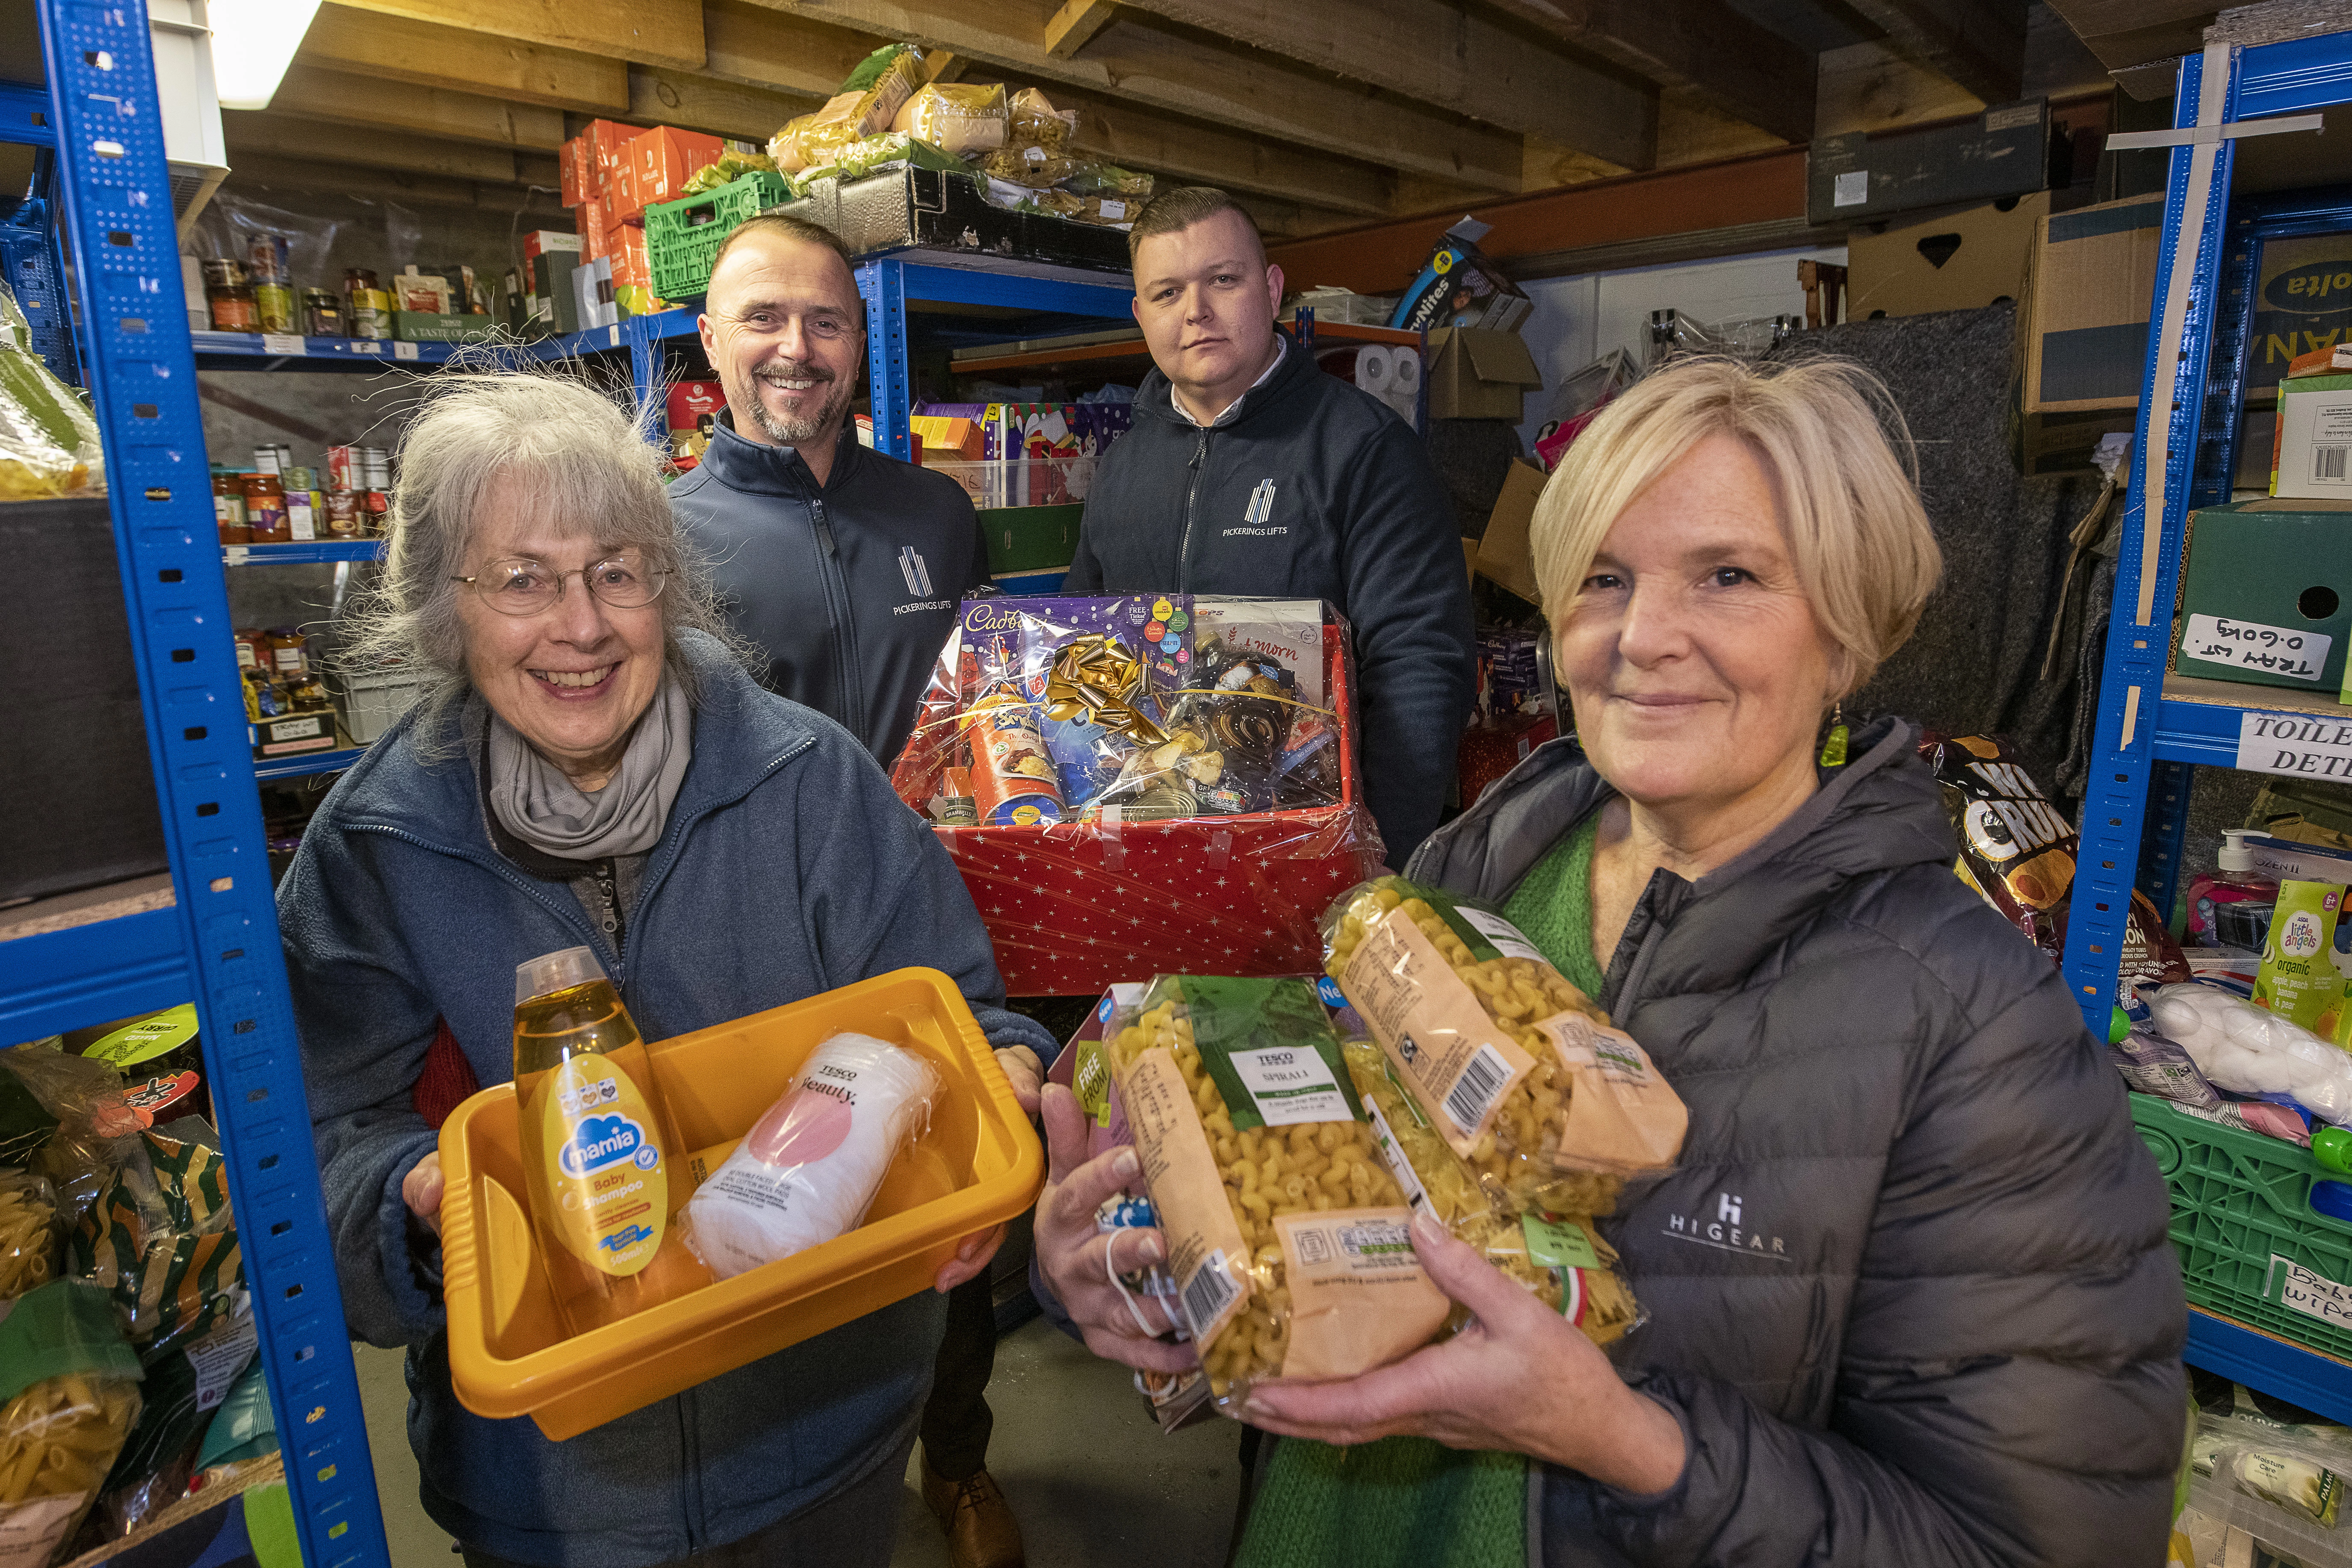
{"x":1097,"y":679}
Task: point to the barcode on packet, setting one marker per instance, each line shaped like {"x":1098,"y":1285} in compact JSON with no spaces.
{"x":2327,"y":463}
{"x":1209,"y":1292}
{"x":1473,"y":1092}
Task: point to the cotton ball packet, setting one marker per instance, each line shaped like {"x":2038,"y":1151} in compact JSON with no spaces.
{"x":809,"y":1168}
{"x":2248,"y":1049}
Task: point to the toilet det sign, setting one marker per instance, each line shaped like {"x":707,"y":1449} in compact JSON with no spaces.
{"x":2293,"y":743}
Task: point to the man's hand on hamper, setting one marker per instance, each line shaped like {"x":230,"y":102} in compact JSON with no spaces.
{"x":1520,"y":1378}
{"x":1077,"y":1259}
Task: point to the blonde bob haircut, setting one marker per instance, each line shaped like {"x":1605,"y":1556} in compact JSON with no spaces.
{"x":1834,"y":448}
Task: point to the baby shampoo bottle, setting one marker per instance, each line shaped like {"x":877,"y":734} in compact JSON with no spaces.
{"x":598,"y":1167}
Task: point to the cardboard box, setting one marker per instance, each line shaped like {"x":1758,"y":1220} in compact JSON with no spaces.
{"x":571,"y":171}
{"x":554,"y":306}
{"x":1029,"y":538}
{"x":1506,"y":555}
{"x":292,"y":735}
{"x":625,"y":248}
{"x":1459,"y":286}
{"x":2311,"y":448}
{"x":2302,"y":302}
{"x":604,"y":139}
{"x":1955,"y":261}
{"x":654,"y":166}
{"x":591,"y":229}
{"x":1474,"y":374}
{"x":695,"y":405}
{"x":591,"y":293}
{"x":2090,"y":287}
{"x":2055,"y":444}
{"x":2004,"y":152}
{"x":2266,"y":595}
{"x":947,"y":439}
{"x":438,"y":327}
{"x":539,"y":241}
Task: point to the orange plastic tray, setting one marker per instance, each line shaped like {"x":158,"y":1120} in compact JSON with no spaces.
{"x":978,"y":1166}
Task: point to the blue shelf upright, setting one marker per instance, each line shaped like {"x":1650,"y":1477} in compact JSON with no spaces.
{"x":218,"y":937}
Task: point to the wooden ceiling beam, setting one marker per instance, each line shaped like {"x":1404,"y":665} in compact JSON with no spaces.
{"x":1980,"y":44}
{"x":643,"y":32}
{"x":719,"y":108}
{"x":273,"y":135}
{"x":1074,"y":26}
{"x":261,"y":171}
{"x":1449,"y":56}
{"x":760,"y":46}
{"x":1704,"y":48}
{"x":1154,"y":69}
{"x":341,"y":98}
{"x":420,"y":54}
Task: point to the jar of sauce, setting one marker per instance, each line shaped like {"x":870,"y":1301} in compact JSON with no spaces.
{"x":274,"y":307}
{"x":366,"y":312}
{"x":230,"y":298}
{"x":290,"y":660}
{"x":264,"y":508}
{"x":229,"y":508}
{"x":322,"y":314}
{"x":252,"y":649}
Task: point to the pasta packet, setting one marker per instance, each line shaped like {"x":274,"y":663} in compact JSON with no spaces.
{"x":956,"y":118}
{"x":1032,"y":117}
{"x":68,"y":1398}
{"x":1517,"y":1070}
{"x":30,"y":1237}
{"x":1288,"y":1239}
{"x":1564,"y":1261}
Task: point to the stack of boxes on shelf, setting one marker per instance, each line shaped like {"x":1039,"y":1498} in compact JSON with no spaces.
{"x":600,"y":274}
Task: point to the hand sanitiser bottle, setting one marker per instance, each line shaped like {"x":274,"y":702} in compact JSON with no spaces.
{"x":596,"y":1149}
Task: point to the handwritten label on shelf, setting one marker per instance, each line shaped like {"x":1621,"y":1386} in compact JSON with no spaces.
{"x":235,"y":555}
{"x":366,"y":346}
{"x":2250,"y":645}
{"x":2297,"y":743}
{"x":403,"y":348}
{"x":284,"y":343}
{"x":2298,"y":1290}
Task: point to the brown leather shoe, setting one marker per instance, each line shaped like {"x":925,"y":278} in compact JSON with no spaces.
{"x":981,"y":1529}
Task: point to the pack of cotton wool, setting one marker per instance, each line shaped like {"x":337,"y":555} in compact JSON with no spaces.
{"x":809,"y":1168}
{"x":2252,"y":1050}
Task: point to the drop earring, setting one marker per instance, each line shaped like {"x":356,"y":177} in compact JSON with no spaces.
{"x":1833,"y":744}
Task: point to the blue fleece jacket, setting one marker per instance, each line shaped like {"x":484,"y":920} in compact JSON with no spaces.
{"x":787,"y":867}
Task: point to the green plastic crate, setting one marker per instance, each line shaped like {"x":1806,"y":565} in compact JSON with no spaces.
{"x":682,"y":236}
{"x":1029,"y":538}
{"x":2241,"y":1216}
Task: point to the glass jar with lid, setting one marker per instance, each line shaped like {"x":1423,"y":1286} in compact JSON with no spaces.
{"x":228,"y":507}
{"x":229,"y":298}
{"x":264,"y":508}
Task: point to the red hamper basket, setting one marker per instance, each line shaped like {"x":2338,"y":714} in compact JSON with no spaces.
{"x":1074,"y":907}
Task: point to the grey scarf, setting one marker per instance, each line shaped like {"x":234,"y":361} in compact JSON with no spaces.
{"x":536,"y":802}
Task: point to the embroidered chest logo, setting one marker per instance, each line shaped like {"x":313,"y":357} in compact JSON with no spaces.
{"x":1255,"y":515}
{"x":918,"y":574}
{"x":1726,"y":1230}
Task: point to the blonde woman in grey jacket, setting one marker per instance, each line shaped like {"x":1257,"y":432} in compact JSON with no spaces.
{"x":1911,"y":1296}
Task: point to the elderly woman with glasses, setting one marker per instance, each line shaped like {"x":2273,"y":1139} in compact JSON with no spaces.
{"x":591,"y":766}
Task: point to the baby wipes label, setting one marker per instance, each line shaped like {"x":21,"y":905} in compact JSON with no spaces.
{"x":604,"y":1174}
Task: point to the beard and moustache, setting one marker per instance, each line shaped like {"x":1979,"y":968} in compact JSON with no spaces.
{"x":796,"y":432}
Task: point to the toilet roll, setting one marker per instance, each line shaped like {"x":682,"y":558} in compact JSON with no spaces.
{"x":1376,"y":368}
{"x":1405,"y":374}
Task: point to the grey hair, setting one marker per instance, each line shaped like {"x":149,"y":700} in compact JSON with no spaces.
{"x":587,"y":469}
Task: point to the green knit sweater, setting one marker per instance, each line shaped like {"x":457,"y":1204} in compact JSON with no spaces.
{"x":1409,"y":1502}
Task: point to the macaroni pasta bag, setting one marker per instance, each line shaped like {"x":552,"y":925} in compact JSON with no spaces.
{"x":1516,"y":1069}
{"x":1288,"y":1240}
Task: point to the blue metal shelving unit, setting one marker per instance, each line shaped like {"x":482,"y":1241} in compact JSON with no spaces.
{"x":216,"y":942}
{"x":2152,"y":729}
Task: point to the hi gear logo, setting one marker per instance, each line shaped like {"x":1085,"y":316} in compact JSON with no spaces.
{"x":1260,"y":508}
{"x":917,"y":575}
{"x":1725,"y":1230}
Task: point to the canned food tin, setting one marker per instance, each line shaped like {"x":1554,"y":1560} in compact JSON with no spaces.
{"x":343,"y":469}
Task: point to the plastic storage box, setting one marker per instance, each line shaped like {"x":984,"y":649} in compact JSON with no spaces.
{"x":682,"y":237}
{"x":2253,"y":1248}
{"x":980,"y":1165}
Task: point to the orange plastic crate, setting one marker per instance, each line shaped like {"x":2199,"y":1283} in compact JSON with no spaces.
{"x":979,"y":1165}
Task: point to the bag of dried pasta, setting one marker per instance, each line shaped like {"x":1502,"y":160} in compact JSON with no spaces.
{"x":1289,"y":1241}
{"x":69,"y":1398}
{"x":1564,"y":1261}
{"x":1516,"y":1068}
{"x":30,"y":1237}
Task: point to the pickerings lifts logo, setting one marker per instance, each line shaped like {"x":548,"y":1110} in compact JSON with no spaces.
{"x":918,"y":574}
{"x":1726,"y":1230}
{"x":1255,"y":516}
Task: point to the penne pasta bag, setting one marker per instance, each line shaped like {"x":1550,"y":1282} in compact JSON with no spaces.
{"x":1514,"y":1068}
{"x":1289,"y":1241}
{"x":68,"y":1398}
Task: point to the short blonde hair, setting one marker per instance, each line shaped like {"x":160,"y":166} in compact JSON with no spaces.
{"x":1837,"y":453}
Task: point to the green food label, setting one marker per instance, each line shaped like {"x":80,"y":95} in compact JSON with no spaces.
{"x":1558,"y":1244}
{"x":148,"y":1038}
{"x":1090,"y":1082}
{"x":1270,"y":1050}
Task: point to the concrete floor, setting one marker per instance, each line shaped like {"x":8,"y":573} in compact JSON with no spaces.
{"x":1090,"y":1475}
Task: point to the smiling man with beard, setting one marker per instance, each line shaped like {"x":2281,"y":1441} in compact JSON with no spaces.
{"x":844,"y":564}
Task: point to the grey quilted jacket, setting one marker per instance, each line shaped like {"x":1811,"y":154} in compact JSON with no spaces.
{"x":1910,"y":1293}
